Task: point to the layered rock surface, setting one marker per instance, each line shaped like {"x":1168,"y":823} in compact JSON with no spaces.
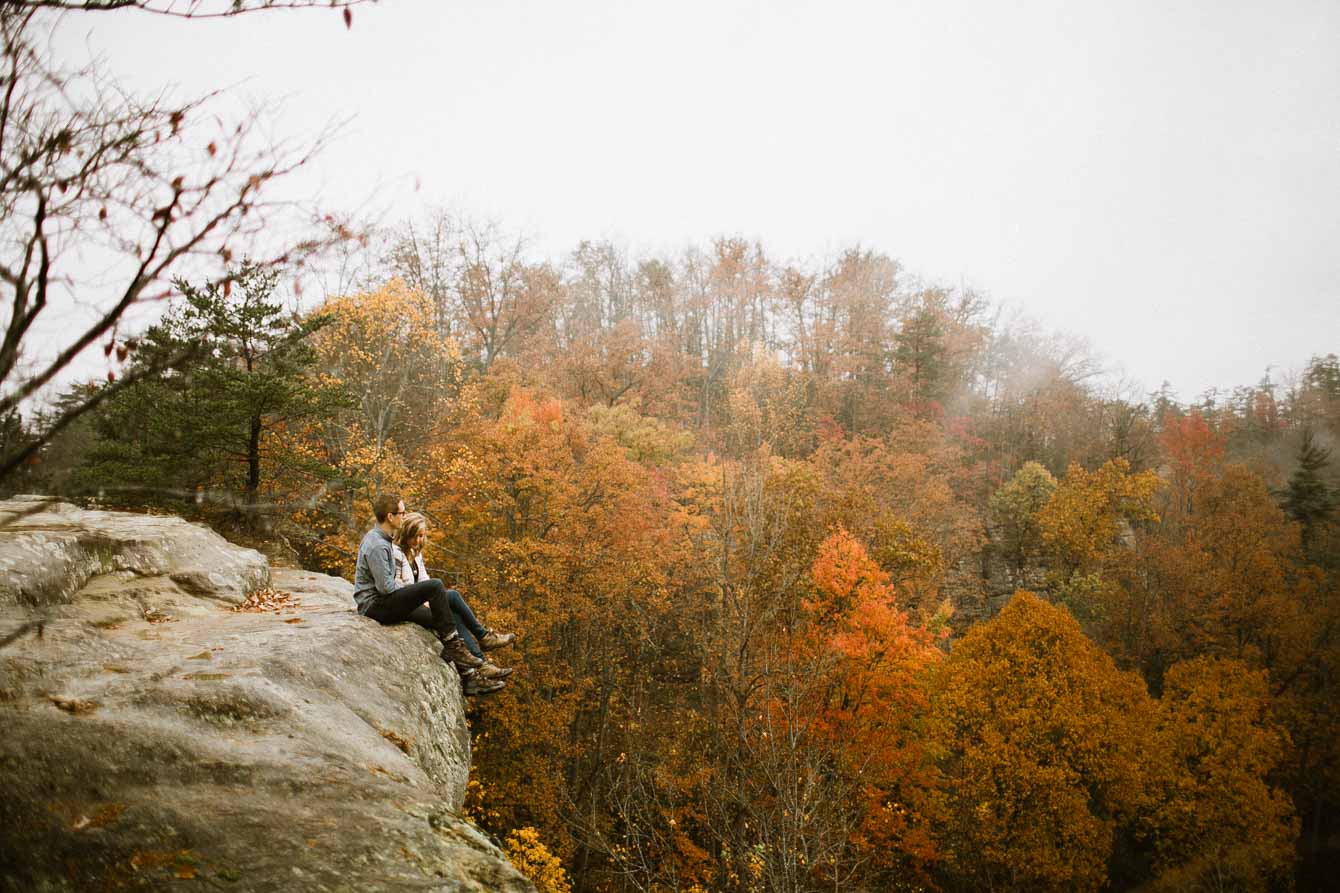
{"x":154,"y":737}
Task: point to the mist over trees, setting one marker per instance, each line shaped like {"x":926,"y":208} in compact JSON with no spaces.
{"x":827,"y":578}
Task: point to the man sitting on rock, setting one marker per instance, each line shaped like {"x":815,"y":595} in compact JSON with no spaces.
{"x":377,"y":595}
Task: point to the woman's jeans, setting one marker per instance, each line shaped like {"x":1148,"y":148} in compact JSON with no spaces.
{"x":444,"y":609}
{"x":471,"y":630}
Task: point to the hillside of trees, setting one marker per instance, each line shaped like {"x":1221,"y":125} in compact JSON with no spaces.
{"x":825,"y":578}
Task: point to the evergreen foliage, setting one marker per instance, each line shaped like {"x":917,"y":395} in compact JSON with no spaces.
{"x":201,"y":426}
{"x":1308,"y":499}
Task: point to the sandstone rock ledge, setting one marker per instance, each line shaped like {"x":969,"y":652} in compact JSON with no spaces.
{"x":155,"y":739}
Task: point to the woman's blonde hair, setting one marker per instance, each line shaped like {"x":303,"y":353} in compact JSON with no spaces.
{"x":413,"y":524}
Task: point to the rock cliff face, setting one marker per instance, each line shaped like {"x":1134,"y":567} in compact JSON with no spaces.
{"x":157,"y":736}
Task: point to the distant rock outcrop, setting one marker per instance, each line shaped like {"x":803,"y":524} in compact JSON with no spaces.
{"x":156,"y":736}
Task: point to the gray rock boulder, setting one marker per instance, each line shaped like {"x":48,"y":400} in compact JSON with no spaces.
{"x":49,"y":550}
{"x":154,"y":737}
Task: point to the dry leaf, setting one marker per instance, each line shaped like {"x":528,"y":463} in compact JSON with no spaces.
{"x":398,"y":740}
{"x":153,"y":615}
{"x":73,"y":705}
{"x":266,"y":600}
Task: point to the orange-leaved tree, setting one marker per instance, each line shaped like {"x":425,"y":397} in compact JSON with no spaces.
{"x":1194,"y":456}
{"x":902,"y":496}
{"x":559,"y":534}
{"x":868,"y":709}
{"x":1229,"y":578}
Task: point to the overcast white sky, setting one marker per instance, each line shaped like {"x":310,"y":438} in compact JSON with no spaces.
{"x":1160,"y":176}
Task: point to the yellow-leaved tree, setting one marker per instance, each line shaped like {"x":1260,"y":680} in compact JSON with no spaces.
{"x":1038,"y":735}
{"x":532,"y":858}
{"x":1084,"y":523}
{"x":402,"y":378}
{"x":1218,"y":823}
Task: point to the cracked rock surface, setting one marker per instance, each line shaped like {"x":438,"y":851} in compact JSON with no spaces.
{"x":157,"y":738}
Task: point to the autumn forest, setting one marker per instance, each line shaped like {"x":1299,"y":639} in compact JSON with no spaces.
{"x":825,"y":578}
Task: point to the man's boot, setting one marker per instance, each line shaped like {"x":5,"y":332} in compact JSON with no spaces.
{"x":490,"y":670}
{"x":454,"y":650}
{"x":491,"y":640}
{"x":472,"y":684}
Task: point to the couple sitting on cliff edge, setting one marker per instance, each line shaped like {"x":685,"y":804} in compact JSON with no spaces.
{"x":392,"y":585}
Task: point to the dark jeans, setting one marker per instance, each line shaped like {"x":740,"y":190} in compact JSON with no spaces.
{"x":445,"y":609}
{"x":407,"y":603}
{"x":471,"y":629}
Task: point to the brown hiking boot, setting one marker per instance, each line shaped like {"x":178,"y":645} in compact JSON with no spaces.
{"x":490,"y":670}
{"x":491,"y":640}
{"x":472,"y":685}
{"x":454,"y":651}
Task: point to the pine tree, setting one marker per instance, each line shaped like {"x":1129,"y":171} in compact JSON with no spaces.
{"x":1307,"y":498}
{"x":14,"y":436}
{"x":203,"y":425}
{"x":921,"y":355}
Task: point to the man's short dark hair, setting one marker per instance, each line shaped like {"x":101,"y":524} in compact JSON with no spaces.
{"x":385,"y":504}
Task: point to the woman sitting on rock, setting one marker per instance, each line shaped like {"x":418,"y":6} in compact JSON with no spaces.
{"x":380,"y":597}
{"x":409,"y":569}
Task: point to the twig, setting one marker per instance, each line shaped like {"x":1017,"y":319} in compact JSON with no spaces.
{"x":40,"y":625}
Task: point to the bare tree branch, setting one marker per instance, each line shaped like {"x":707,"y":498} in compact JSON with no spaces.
{"x":19,"y":633}
{"x":143,"y":190}
{"x":11,"y":462}
{"x":185,"y":9}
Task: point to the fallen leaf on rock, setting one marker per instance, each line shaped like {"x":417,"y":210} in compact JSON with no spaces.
{"x":151,"y":859}
{"x":263,"y":600}
{"x":153,"y":615}
{"x":73,"y":705}
{"x":294,"y":620}
{"x":398,"y":740}
{"x":108,"y":814}
{"x":105,"y":816}
{"x":379,"y":770}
